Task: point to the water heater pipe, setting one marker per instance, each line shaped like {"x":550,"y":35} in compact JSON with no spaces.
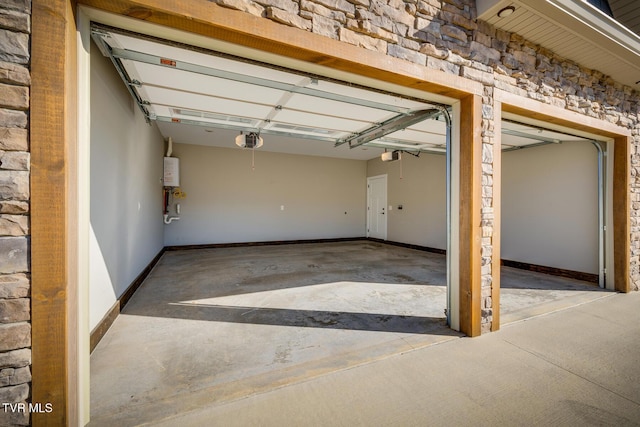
{"x":169,"y":220}
{"x":169,"y":147}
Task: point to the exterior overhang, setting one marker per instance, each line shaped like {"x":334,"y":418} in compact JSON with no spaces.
{"x":572,"y":29}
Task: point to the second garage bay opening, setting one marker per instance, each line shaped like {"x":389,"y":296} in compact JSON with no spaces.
{"x":553,"y":218}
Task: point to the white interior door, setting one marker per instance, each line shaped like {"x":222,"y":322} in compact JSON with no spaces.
{"x":377,"y":207}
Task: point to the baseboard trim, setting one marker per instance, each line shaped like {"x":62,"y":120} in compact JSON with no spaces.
{"x":410,"y":246}
{"x":570,"y":274}
{"x":103,"y":326}
{"x":266,"y":243}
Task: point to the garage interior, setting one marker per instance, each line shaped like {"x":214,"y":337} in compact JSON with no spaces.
{"x":215,"y":319}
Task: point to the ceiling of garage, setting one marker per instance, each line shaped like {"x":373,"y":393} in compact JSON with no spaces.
{"x":200,"y":98}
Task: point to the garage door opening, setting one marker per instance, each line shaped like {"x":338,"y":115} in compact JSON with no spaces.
{"x":307,"y":182}
{"x":553,"y":219}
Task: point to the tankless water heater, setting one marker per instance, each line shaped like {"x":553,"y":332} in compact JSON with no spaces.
{"x":171,"y":172}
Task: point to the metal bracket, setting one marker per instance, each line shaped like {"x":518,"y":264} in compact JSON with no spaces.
{"x":394,"y":124}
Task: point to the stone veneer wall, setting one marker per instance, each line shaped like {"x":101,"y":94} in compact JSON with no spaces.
{"x":15,"y":312}
{"x":446,"y":35}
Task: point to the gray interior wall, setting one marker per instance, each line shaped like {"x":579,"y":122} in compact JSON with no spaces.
{"x":126,"y":191}
{"x":422,"y":194}
{"x":227,"y":201}
{"x":550,"y":206}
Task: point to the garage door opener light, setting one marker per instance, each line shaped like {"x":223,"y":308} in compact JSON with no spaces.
{"x":390,"y":156}
{"x":249,"y":140}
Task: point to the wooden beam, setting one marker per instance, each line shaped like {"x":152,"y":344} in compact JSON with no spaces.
{"x":52,"y":133}
{"x":531,"y":108}
{"x":205,"y":18}
{"x":470,"y":218}
{"x":621,"y":213}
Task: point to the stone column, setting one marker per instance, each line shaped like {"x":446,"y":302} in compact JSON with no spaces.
{"x":15,"y":313}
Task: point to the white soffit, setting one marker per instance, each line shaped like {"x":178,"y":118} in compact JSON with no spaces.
{"x":575,"y":30}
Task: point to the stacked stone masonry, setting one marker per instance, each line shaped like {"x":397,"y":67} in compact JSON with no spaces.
{"x":15,"y":303}
{"x":446,"y":35}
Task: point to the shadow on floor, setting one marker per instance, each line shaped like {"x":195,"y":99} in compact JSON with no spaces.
{"x":304,"y":318}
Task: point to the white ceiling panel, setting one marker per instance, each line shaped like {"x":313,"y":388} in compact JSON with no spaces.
{"x":207,"y":100}
{"x":432,"y":126}
{"x":516,"y":141}
{"x":131,"y":69}
{"x":540,"y":132}
{"x":304,"y":131}
{"x":186,"y":81}
{"x":369,"y":95}
{"x":417,"y":137}
{"x":173,"y":83}
{"x":192,"y":101}
{"x":328,"y":107}
{"x":194,"y":57}
{"x":320,"y":121}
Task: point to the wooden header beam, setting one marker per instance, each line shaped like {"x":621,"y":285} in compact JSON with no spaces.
{"x":205,"y":18}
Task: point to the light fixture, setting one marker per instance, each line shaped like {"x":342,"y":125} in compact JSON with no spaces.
{"x":249,"y":140}
{"x":506,"y":11}
{"x":390,"y":156}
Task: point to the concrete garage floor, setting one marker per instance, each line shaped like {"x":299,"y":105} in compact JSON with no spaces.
{"x":214,"y":325}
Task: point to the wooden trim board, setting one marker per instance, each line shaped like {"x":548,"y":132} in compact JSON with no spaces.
{"x":411,"y":246}
{"x":266,"y":243}
{"x":537,"y":110}
{"x":103,"y":326}
{"x":621,"y":213}
{"x":553,"y":271}
{"x":470,"y":209}
{"x":53,"y":142}
{"x":208,"y":19}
